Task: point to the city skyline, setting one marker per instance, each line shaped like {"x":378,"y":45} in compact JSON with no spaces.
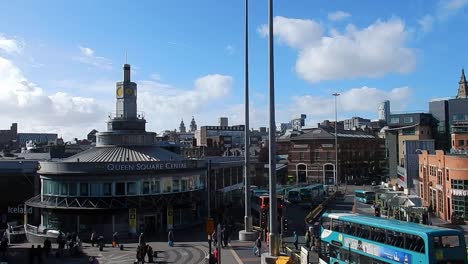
{"x":58,"y":66}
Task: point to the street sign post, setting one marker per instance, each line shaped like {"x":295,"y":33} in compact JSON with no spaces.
{"x":209,"y":226}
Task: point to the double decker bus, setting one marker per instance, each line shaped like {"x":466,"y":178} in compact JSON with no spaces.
{"x":363,"y":196}
{"x":353,"y":238}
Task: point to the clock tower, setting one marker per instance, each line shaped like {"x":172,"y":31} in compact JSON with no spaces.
{"x":126,"y":93}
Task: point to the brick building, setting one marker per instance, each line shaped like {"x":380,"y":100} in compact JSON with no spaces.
{"x":444,"y":183}
{"x":361,"y":156}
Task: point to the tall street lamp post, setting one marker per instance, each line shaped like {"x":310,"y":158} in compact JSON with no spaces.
{"x":336,"y":139}
{"x":273,"y":246}
{"x":247,"y":234}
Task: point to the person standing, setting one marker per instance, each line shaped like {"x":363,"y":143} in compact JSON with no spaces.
{"x":296,"y":240}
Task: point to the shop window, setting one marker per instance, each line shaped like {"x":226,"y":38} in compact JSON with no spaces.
{"x":131,"y":188}
{"x":72,"y":189}
{"x":175,"y":185}
{"x":45,"y":187}
{"x":94,"y":189}
{"x":145,"y":189}
{"x":120,"y":188}
{"x":167,"y":185}
{"x":183,"y":185}
{"x":63,"y":189}
{"x":84,"y":189}
{"x":107,"y":189}
{"x":155,"y":187}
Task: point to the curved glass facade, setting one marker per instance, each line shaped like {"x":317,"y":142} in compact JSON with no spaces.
{"x":120,"y":187}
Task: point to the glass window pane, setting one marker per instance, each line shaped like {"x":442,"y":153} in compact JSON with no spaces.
{"x":131,"y":188}
{"x":107,"y":189}
{"x":175,"y":185}
{"x":146,"y":187}
{"x":120,"y":188}
{"x":94,"y":189}
{"x":84,"y":189}
{"x":167,"y":185}
{"x":72,"y":189}
{"x":63,"y":188}
{"x":155,"y":186}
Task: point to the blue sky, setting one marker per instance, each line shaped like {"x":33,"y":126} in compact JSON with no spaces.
{"x":59,"y":60}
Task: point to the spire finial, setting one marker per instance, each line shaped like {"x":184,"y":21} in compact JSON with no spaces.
{"x":126,"y":57}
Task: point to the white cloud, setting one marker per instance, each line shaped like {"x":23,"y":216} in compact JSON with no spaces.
{"x":29,"y":105}
{"x":155,"y":77}
{"x":9,"y":45}
{"x":370,"y":52}
{"x":230,"y":50}
{"x":338,"y":15}
{"x":87,"y":56}
{"x":165,"y":104}
{"x":426,"y":23}
{"x":450,"y":7}
{"x":296,"y":33}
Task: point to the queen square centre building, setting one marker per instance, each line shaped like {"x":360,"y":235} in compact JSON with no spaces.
{"x":125,"y":184}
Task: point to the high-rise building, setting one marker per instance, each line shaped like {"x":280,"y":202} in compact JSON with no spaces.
{"x":223,"y":121}
{"x":356,"y":122}
{"x":384,"y":110}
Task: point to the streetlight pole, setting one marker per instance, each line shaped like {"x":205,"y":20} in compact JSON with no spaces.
{"x":247,"y":234}
{"x":336,"y":138}
{"x":273,"y":247}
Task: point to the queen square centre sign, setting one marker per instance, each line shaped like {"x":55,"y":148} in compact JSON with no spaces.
{"x":146,"y":166}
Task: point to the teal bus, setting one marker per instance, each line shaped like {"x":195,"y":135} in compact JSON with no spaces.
{"x":363,"y":196}
{"x":353,"y":238}
{"x":314,"y":193}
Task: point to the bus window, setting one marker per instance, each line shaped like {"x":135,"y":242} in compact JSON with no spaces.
{"x":446,"y":241}
{"x":326,"y":223}
{"x":337,"y":225}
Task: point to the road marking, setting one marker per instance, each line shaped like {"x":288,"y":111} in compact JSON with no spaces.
{"x":236,"y":257}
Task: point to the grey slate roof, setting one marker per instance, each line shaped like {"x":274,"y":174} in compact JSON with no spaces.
{"x":124,"y":154}
{"x":321,"y":133}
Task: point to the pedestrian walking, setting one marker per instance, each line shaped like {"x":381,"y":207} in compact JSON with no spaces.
{"x":115,"y":241}
{"x":296,"y":240}
{"x":47,"y":246}
{"x":93,"y":238}
{"x":141,"y":239}
{"x":225,"y":236}
{"x":32,"y":254}
{"x":307,"y":239}
{"x":170,"y":238}
{"x":140,"y":254}
{"x":39,"y":254}
{"x":257,"y":249}
{"x":215,"y":237}
{"x":4,"y":246}
{"x":149,"y":252}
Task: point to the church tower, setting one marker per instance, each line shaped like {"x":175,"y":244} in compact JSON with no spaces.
{"x":193,"y":125}
{"x":182,"y":127}
{"x":462,"y":86}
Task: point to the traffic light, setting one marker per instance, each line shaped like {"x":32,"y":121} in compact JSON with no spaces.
{"x":285,"y":224}
{"x":263,"y":221}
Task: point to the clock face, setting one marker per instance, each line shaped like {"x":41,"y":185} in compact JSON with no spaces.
{"x":128,"y":91}
{"x":119,"y":91}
